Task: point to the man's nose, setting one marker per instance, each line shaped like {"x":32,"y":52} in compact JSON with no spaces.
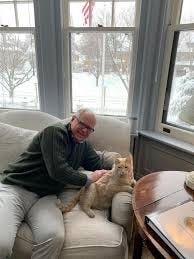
{"x":85,"y":130}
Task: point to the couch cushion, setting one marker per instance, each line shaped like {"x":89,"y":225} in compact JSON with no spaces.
{"x":34,"y":120}
{"x":92,"y":238}
{"x":86,"y":236}
{"x":13,"y":141}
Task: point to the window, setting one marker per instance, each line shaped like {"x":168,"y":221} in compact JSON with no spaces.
{"x":177,"y":115}
{"x":18,"y":73}
{"x":99,"y":46}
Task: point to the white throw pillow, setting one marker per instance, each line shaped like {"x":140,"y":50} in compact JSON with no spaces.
{"x":34,"y":120}
{"x":13,"y":141}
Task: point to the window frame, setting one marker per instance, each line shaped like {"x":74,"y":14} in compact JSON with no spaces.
{"x":173,"y":27}
{"x":67,"y":30}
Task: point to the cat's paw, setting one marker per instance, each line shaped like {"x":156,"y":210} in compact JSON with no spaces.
{"x":133,"y":183}
{"x":90,"y":213}
{"x":59,"y":204}
{"x":130,"y":189}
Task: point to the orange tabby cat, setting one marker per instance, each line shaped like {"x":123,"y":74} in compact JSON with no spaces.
{"x":99,"y":194}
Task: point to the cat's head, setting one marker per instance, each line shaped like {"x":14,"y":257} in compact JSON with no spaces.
{"x":124,"y":166}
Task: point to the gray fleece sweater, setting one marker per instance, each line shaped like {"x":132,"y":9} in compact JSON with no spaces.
{"x":52,"y":160}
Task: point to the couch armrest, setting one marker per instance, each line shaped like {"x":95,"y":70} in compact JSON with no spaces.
{"x":122,"y":211}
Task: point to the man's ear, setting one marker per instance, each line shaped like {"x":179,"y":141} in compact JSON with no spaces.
{"x":73,"y":118}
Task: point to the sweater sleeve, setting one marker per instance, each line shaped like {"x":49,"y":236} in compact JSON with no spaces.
{"x":92,"y":160}
{"x":55,"y":150}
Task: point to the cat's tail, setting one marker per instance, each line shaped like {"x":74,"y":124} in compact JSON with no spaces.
{"x":70,"y":205}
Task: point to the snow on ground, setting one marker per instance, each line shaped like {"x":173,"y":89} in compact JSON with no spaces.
{"x":84,"y":92}
{"x":110,"y":99}
{"x":181,"y":92}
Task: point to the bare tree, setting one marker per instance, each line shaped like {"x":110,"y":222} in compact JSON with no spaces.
{"x":118,"y":46}
{"x":91,"y":51}
{"x":117,"y":50}
{"x":16,"y":61}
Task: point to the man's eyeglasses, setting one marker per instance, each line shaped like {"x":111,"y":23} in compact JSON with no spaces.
{"x":82,"y":125}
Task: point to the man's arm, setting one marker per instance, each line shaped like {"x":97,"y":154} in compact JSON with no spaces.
{"x":92,"y":161}
{"x":97,"y":160}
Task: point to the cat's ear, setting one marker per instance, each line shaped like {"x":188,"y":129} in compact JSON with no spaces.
{"x":129,"y":159}
{"x":117,"y":161}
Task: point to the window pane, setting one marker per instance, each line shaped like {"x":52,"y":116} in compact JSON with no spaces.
{"x":102,"y":13}
{"x":181,"y":103}
{"x":7,"y":16}
{"x":26,"y":15}
{"x":18,"y":73}
{"x":125,"y":13}
{"x":101,"y":71}
{"x":18,"y":14}
{"x":187,"y":14}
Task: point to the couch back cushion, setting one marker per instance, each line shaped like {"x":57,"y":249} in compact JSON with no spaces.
{"x":111,"y":134}
{"x":34,"y":120}
{"x":13,"y":141}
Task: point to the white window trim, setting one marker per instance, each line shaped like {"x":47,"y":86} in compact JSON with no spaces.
{"x":175,"y":132}
{"x":66,"y":54}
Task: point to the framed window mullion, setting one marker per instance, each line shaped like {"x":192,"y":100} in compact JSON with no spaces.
{"x":170,"y":75}
{"x":16,"y":14}
{"x":67,"y":72}
{"x":176,"y":11}
{"x":183,"y":27}
{"x":100,"y":29}
{"x":164,"y":77}
{"x":18,"y":29}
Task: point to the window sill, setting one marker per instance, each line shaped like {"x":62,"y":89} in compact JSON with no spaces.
{"x":172,"y":142}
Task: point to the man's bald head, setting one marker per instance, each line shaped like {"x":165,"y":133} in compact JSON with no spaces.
{"x":85,"y":113}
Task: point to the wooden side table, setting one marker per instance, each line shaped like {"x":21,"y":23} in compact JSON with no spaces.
{"x":156,"y":192}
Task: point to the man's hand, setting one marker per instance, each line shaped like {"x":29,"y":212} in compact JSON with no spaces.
{"x":96,"y":175}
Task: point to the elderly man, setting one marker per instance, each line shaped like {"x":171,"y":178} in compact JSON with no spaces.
{"x":31,"y":184}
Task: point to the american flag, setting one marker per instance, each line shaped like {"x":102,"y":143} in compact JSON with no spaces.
{"x":87,"y":10}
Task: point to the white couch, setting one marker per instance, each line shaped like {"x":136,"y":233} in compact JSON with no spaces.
{"x":102,"y":237}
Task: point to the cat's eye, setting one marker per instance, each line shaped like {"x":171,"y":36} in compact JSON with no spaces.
{"x":126,"y":167}
{"x":119,"y":167}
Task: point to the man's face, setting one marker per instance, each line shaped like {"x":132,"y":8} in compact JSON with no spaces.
{"x":83,"y":126}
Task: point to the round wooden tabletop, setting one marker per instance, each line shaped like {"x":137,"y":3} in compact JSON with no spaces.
{"x":155,"y":193}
